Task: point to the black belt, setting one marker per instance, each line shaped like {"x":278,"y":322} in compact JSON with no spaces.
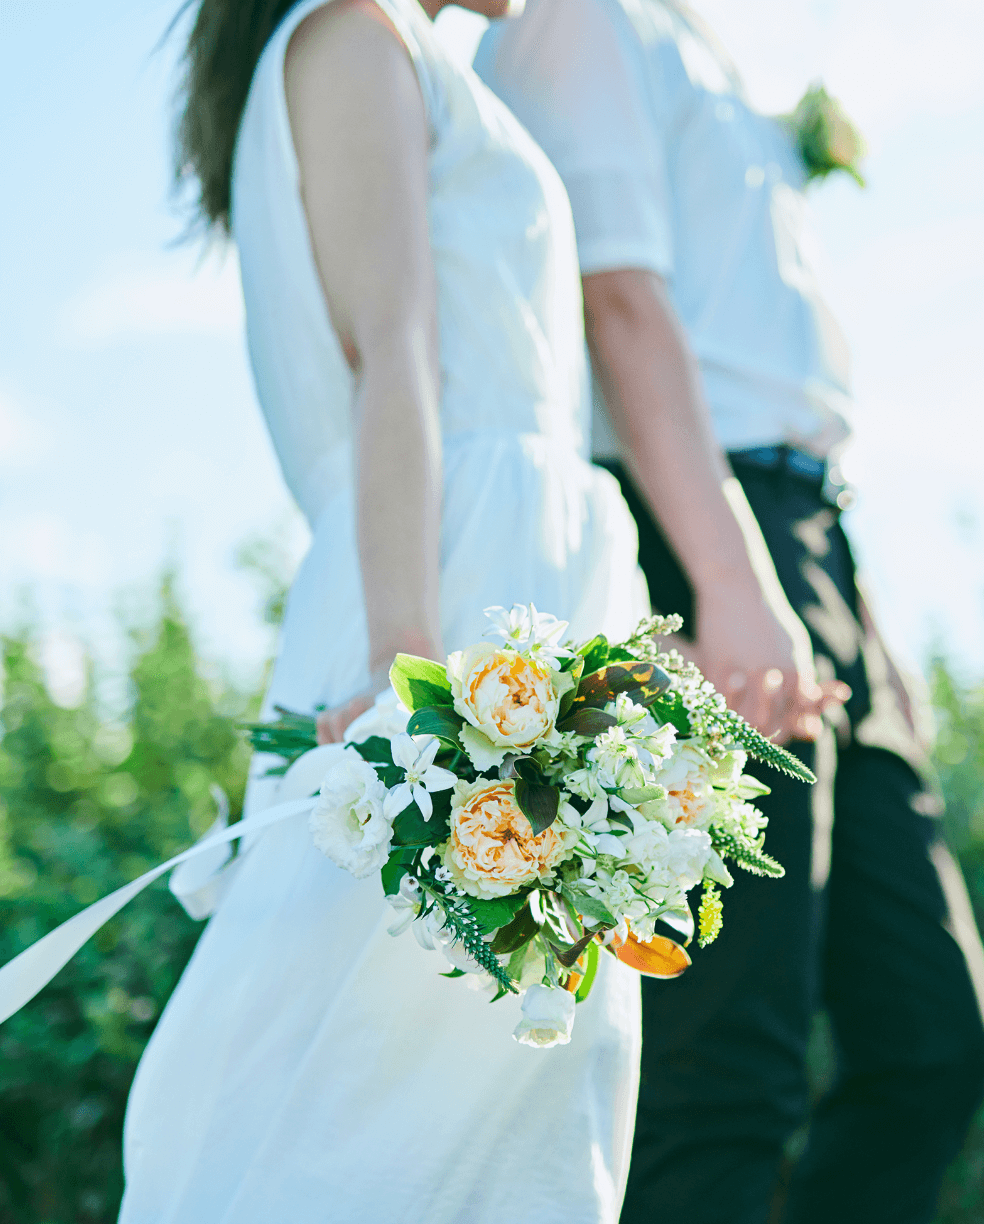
{"x":801,"y":465}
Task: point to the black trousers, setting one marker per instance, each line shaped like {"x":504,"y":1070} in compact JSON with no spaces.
{"x":870,"y":923}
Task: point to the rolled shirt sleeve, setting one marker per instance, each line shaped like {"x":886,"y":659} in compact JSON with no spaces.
{"x":576,"y":77}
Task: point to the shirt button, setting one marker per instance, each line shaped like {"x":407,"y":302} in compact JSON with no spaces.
{"x":754,"y":176}
{"x":724,"y":111}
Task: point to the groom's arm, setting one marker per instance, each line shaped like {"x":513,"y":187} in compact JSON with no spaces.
{"x":747,"y":633}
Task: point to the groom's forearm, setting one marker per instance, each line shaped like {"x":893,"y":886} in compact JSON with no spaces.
{"x":652,"y":388}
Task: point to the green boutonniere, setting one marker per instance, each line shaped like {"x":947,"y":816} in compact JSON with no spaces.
{"x":827,"y":140}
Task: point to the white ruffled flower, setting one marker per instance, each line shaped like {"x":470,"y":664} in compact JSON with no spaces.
{"x":421,"y":776}
{"x":617,"y":892}
{"x":686,"y":854}
{"x":526,"y":629}
{"x":348,"y":822}
{"x":548,"y":1017}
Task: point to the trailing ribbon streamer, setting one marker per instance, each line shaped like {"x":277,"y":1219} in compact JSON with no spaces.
{"x":32,"y":969}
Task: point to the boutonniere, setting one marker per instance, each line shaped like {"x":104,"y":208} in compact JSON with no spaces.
{"x":827,"y":140}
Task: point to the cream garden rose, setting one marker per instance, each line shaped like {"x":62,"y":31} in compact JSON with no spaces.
{"x":509,"y":702}
{"x":492,"y":851}
{"x":687,"y":777}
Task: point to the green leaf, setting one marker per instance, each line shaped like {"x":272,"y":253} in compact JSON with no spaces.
{"x":618,"y":654}
{"x":393,"y":871}
{"x":640,"y":682}
{"x":588,"y":906}
{"x":517,"y":961}
{"x":575,"y":671}
{"x":520,"y":931}
{"x":570,"y":955}
{"x":289,"y":736}
{"x":376,"y":750}
{"x":538,"y":803}
{"x":595,"y":652}
{"x":635,"y":795}
{"x":588,"y":721}
{"x":420,"y":682}
{"x":669,"y":708}
{"x":495,"y":912}
{"x":454,"y":973}
{"x":292,"y":718}
{"x":443,"y":721}
{"x":410,"y":828}
{"x":590,"y":972}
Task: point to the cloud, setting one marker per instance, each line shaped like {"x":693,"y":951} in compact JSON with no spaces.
{"x":173,"y":296}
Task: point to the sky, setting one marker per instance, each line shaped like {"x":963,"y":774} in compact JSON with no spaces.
{"x":129,"y":431}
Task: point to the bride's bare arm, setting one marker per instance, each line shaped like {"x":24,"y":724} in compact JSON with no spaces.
{"x":360,"y":131}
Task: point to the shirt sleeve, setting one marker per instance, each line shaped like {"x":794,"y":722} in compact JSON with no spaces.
{"x":577,"y":76}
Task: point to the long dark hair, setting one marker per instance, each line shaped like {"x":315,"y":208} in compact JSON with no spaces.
{"x":223,"y":49}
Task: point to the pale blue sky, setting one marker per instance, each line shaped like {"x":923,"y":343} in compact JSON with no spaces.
{"x":128,"y":425}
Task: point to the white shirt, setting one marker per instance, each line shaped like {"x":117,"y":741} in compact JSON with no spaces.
{"x":669,"y":169}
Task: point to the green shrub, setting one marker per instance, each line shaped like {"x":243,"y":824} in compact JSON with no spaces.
{"x":88,"y":804}
{"x":960,"y":760}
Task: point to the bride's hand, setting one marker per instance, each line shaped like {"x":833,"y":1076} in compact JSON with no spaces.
{"x":332,"y":724}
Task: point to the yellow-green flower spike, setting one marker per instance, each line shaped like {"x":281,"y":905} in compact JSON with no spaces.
{"x":709,"y":916}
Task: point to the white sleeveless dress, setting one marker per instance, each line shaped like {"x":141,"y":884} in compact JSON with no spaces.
{"x":311,"y":1068}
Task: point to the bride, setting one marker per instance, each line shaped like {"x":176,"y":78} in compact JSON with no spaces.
{"x":414,"y":327}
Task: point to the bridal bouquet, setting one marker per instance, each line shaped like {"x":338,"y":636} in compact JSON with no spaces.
{"x":532,"y":806}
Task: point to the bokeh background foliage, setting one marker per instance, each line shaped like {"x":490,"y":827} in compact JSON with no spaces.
{"x":89,"y":802}
{"x":90,"y":797}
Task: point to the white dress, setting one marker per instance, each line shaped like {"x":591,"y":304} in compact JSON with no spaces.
{"x":309,"y":1067}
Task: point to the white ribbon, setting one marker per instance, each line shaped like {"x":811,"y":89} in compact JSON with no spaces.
{"x":32,"y":969}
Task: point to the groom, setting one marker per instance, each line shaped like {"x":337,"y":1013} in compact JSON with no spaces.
{"x":709,"y":340}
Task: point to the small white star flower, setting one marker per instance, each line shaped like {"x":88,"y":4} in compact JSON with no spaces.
{"x":523,"y":628}
{"x":421,"y":776}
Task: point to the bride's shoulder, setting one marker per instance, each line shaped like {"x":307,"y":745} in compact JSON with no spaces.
{"x":347,"y":58}
{"x":340,"y":28}
{"x":346,"y":66}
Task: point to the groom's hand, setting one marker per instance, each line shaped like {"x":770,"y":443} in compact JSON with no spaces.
{"x":757,"y":654}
